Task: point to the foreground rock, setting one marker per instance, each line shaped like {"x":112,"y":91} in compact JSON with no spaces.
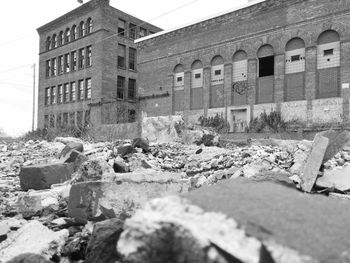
{"x":42,"y":176}
{"x":122,"y":194}
{"x":47,"y":243}
{"x":338,"y":179}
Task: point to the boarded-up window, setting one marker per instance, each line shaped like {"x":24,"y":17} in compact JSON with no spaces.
{"x":239,"y":79}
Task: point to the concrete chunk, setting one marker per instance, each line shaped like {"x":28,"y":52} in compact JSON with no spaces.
{"x":42,"y":176}
{"x":314,"y":162}
{"x":337,"y":141}
{"x":126,"y":193}
{"x":339,"y":179}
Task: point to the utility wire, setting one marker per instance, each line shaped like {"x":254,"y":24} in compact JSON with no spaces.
{"x":147,"y":22}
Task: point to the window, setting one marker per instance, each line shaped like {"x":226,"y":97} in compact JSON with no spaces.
{"x":72,"y":118}
{"x":87,"y":118}
{"x":81,"y":63}
{"x":179,"y":79}
{"x":46,"y":121}
{"x":67,"y":35}
{"x":53,"y":95}
{"x":48,"y":68}
{"x":328,"y":52}
{"x":54,"y":67}
{"x":60,"y":65}
{"x":89,"y":25}
{"x":131,"y":89}
{"x":121,"y":27}
{"x":88,"y":89}
{"x":74,"y":32}
{"x":132,"y":31}
{"x":60,"y":94}
{"x":65,"y":119}
{"x":121,"y":56}
{"x":48,"y":43}
{"x":217,"y":72}
{"x":82,"y":29}
{"x":74,"y":60}
{"x":72,"y":91}
{"x":47,"y":96}
{"x":66,"y":92}
{"x":66,"y":63}
{"x":266,"y":66}
{"x":143,"y":32}
{"x":52,"y":121}
{"x":295,"y":58}
{"x":132,"y":58}
{"x":54,"y":41}
{"x":88,"y":56}
{"x":81,"y":90}
{"x":120,"y":87}
{"x":131,"y":115}
{"x":197,"y":75}
{"x":79,"y":118}
{"x":61,"y":39}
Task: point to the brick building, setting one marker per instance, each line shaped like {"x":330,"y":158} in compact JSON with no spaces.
{"x":287,"y":55}
{"x":87,"y":71}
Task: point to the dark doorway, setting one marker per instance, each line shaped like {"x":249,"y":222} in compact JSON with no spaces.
{"x":266,"y":66}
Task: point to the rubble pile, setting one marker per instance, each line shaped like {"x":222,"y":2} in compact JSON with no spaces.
{"x":77,"y":195}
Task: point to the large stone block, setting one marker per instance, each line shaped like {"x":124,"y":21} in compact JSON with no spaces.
{"x":123,"y":195}
{"x":339,"y":179}
{"x":42,"y":176}
{"x":337,"y":141}
{"x":314,"y":162}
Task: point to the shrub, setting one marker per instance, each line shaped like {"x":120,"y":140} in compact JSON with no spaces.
{"x":268,"y":122}
{"x":217,"y":122}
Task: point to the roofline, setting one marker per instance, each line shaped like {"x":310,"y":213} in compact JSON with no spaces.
{"x":200,"y":20}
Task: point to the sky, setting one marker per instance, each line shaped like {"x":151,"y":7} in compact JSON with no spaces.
{"x":19,"y":43}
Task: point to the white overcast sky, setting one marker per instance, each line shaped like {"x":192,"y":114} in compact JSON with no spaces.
{"x":19,"y":42}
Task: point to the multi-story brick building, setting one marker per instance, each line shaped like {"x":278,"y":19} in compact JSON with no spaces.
{"x":292,"y":56}
{"x":88,"y":71}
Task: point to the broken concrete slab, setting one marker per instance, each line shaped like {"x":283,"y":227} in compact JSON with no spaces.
{"x":314,"y":162}
{"x":314,"y":225}
{"x":76,"y":158}
{"x":338,"y":179}
{"x":93,"y":170}
{"x":124,"y":193}
{"x":47,"y":243}
{"x":337,"y":141}
{"x":42,"y":176}
{"x":69,"y":147}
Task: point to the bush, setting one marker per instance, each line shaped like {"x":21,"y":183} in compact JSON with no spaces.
{"x":217,"y":122}
{"x":272,"y":122}
{"x":49,"y":134}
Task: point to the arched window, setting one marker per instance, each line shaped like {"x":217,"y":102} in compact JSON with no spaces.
{"x":74,"y":32}
{"x":89,"y":25}
{"x":67,"y":35}
{"x":196,"y":85}
{"x":266,"y":71}
{"x":54,"y":41}
{"x":294,"y":69}
{"x":217,"y":70}
{"x":82,"y":30}
{"x":48,"y":43}
{"x":179,"y":88}
{"x":239,"y":78}
{"x":61,"y":38}
{"x":328,"y":64}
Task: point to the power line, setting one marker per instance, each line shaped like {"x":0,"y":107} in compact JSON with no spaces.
{"x":146,"y":22}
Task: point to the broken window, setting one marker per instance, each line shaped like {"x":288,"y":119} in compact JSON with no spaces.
{"x":88,"y":89}
{"x":120,"y":87}
{"x":81,"y":58}
{"x":328,"y":52}
{"x":197,"y":75}
{"x":74,"y":60}
{"x":72,"y":91}
{"x":60,"y":94}
{"x":121,"y":27}
{"x":132,"y":58}
{"x":66,"y":63}
{"x":143,"y":32}
{"x":81,"y":90}
{"x":121,"y":56}
{"x":88,"y":56}
{"x":66,"y":92}
{"x":266,"y":66}
{"x":89,"y":25}
{"x":131,"y":89}
{"x":295,"y":58}
{"x":53,"y":95}
{"x":132,"y":31}
{"x":217,"y":72}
